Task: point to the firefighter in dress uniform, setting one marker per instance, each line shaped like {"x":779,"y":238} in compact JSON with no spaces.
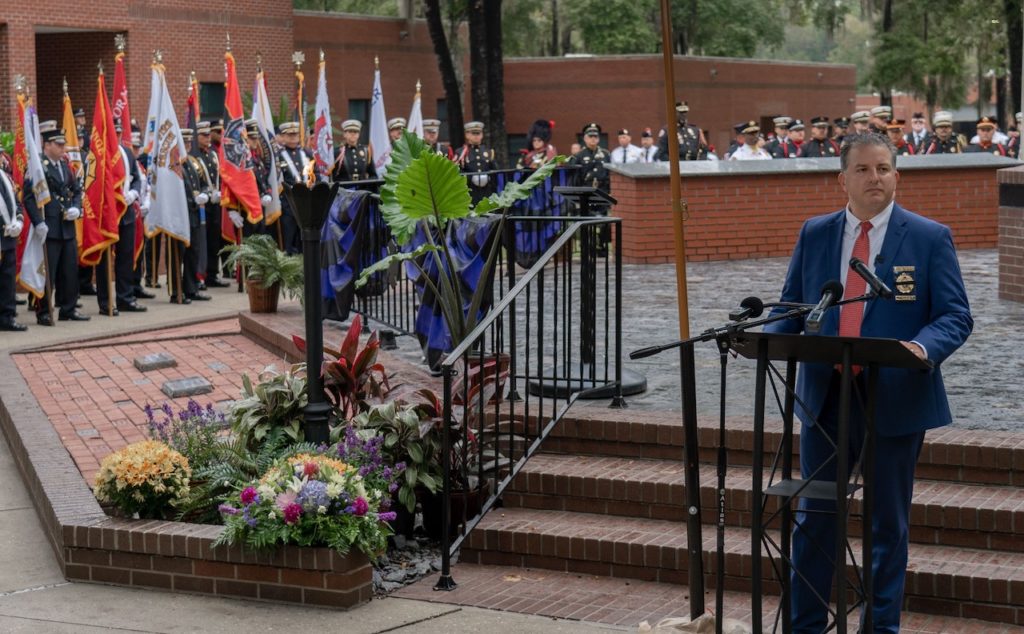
{"x":475,"y":158}
{"x":819,"y":145}
{"x":944,"y":141}
{"x":353,"y":161}
{"x":986,"y":129}
{"x":692,"y":145}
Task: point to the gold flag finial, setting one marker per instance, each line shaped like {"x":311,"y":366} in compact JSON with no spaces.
{"x":321,"y":56}
{"x":298,"y":58}
{"x":418,"y":86}
{"x":65,"y":86}
{"x":228,"y":45}
{"x":376,"y":63}
{"x":120,"y":43}
{"x":158,"y":56}
{"x":20,"y":84}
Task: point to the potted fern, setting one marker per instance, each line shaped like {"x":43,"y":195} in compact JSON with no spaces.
{"x":268,"y":271}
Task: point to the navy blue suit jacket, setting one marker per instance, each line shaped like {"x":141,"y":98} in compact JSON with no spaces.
{"x":918,"y":261}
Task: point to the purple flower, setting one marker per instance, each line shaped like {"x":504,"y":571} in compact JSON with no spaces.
{"x":387,"y":517}
{"x":227,"y":509}
{"x":249,"y":496}
{"x":360,"y":507}
{"x":313,"y":495}
{"x":292,"y":513}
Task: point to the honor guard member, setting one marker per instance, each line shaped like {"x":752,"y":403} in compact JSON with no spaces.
{"x":124,"y":249}
{"x":895,"y":131}
{"x":85,"y":273}
{"x":474,"y":157}
{"x":944,"y":141}
{"x":986,"y":129}
{"x":353,"y":161}
{"x":293,"y":162}
{"x":12,"y":221}
{"x":210,"y":174}
{"x":692,"y":146}
{"x":839,"y":128}
{"x":216,"y":132}
{"x":148,"y":244}
{"x":396,"y":127}
{"x":83,"y":135}
{"x":648,"y":150}
{"x":796,"y":135}
{"x":539,"y":151}
{"x":880,"y":118}
{"x":737,"y":141}
{"x":819,"y":145}
{"x":431,"y":130}
{"x":56,"y":222}
{"x":918,"y":137}
{"x":186,"y":260}
{"x":781,"y":146}
{"x":749,"y":151}
{"x":261,"y":170}
{"x":860,"y":121}
{"x":1013,"y":144}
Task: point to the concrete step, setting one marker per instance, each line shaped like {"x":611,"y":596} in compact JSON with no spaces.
{"x":949,"y":454}
{"x":944,"y":513}
{"x":941,"y":580}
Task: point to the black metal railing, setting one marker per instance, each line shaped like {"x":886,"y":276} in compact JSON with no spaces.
{"x":554,"y":336}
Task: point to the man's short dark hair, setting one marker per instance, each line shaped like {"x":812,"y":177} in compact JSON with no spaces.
{"x":861,"y":140}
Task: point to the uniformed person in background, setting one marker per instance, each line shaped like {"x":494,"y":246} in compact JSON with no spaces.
{"x":649,"y":151}
{"x":918,"y":137}
{"x":781,"y":146}
{"x":261,"y":165}
{"x":895,"y":131}
{"x":83,"y":132}
{"x":293,"y":161}
{"x":12,"y":221}
{"x":186,"y":259}
{"x":124,"y":249}
{"x":986,"y":130}
{"x":819,"y":145}
{"x":431,"y":131}
{"x":396,"y":127}
{"x":353,"y":161}
{"x":593,"y":172}
{"x":85,"y":273}
{"x":880,"y":118}
{"x":474,"y":157}
{"x":750,"y":151}
{"x":796,"y":135}
{"x":944,"y":141}
{"x":539,"y":149}
{"x":216,"y":131}
{"x":148,"y":244}
{"x":207,"y":155}
{"x":692,"y":145}
{"x":56,"y":221}
{"x":1013,"y":145}
{"x":839,"y":127}
{"x":859,"y":121}
{"x":737,"y":141}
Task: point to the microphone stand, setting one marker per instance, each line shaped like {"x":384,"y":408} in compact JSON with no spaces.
{"x":722,"y":336}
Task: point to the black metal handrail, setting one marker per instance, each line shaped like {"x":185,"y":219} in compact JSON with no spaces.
{"x":553,"y":336}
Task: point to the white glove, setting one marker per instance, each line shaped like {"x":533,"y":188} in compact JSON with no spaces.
{"x":201,"y":199}
{"x":144,"y":210}
{"x":215,"y":198}
{"x":72,"y":213}
{"x":267,"y":200}
{"x":480,"y":180}
{"x":131,"y":197}
{"x":13,"y":230}
{"x":236,"y":219}
{"x":41,"y":230}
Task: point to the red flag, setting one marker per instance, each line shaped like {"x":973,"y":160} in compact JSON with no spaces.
{"x":122,"y":114}
{"x":238,"y":182}
{"x":20,"y":166}
{"x":103,"y":204}
{"x":192,"y":109}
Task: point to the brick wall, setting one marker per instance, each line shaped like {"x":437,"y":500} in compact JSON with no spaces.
{"x":1011,"y":234}
{"x":754,"y":216}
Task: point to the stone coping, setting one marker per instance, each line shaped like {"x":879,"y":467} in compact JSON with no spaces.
{"x":697,"y":169}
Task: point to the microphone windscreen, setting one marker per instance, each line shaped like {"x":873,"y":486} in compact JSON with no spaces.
{"x":755,"y":305}
{"x":834,"y":287}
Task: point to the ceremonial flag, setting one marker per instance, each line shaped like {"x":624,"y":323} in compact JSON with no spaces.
{"x":300,"y":104}
{"x":323,"y":147}
{"x":380,"y":142}
{"x":192,"y":109}
{"x":73,"y":147}
{"x":415,"y":124}
{"x":168,"y":206}
{"x":265,"y":120}
{"x":20,"y":166}
{"x":31,"y":246}
{"x":122,"y":114}
{"x":103,"y":203}
{"x":237,"y":180}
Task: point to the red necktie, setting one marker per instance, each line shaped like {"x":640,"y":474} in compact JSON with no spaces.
{"x":851,"y":315}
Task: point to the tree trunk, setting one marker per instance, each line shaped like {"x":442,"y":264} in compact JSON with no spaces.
{"x":478,"y":64}
{"x":554,"y":28}
{"x":496,"y":82}
{"x":885,"y":92}
{"x":1012,"y":16}
{"x":448,"y":77}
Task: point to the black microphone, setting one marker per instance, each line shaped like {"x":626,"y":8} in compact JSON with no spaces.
{"x":831,"y":292}
{"x":877,"y":285}
{"x":749,"y":307}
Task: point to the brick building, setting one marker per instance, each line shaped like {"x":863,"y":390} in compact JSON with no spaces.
{"x":38,"y":41}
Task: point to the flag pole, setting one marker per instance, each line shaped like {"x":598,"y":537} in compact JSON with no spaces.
{"x":111,"y":299}
{"x":49,"y":285}
{"x":238,"y":264}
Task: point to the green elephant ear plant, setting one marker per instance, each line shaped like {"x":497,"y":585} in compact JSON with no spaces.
{"x":424,"y":190}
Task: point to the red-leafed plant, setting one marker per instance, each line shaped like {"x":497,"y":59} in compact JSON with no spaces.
{"x":353,"y":379}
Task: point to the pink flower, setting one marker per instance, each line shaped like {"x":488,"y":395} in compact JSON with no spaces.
{"x":249,"y":496}
{"x":284,"y":500}
{"x":310,"y":469}
{"x":360,"y":507}
{"x":292,"y":513}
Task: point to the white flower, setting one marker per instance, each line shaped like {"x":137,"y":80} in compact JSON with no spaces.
{"x":266,"y":492}
{"x":360,"y":490}
{"x":296,"y":484}
{"x":270,"y":515}
{"x":321,"y":510}
{"x":334,"y":489}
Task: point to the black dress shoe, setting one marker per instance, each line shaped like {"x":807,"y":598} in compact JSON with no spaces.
{"x":78,"y":304}
{"x":134,"y":307}
{"x":141,"y":293}
{"x":76,"y":316}
{"x":215,"y":283}
{"x":12,"y":326}
{"x":200,"y":297}
{"x":87,"y":290}
{"x":106,"y":313}
{"x":184,"y":300}
{"x":20,"y":302}
{"x":153,"y":285}
{"x":44,"y":320}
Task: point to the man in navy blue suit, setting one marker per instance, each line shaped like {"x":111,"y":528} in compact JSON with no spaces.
{"x":929,"y":314}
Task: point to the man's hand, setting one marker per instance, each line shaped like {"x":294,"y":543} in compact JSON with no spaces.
{"x":916,"y":349}
{"x":72,"y":213}
{"x":266,"y":200}
{"x":130,"y":197}
{"x":13,"y":230}
{"x":201,"y":199}
{"x":236,"y":219}
{"x":42,"y":229}
{"x":215,"y":197}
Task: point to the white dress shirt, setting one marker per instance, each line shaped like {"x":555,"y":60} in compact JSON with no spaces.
{"x":626,"y":154}
{"x":749,"y":153}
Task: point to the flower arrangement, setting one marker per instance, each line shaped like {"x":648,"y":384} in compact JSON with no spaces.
{"x":312,"y":500}
{"x":144,"y":478}
{"x":194,"y":432}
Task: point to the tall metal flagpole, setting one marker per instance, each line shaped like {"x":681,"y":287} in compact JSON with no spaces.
{"x":694,"y":537}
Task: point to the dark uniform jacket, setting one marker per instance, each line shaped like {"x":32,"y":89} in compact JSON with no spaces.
{"x":210,"y":179}
{"x":194,"y":185}
{"x":783,"y":148}
{"x":691,"y":147}
{"x":136,"y":177}
{"x":1013,"y":147}
{"x":938,"y":146}
{"x":475,"y":158}
{"x":592,"y":171}
{"x":296,"y":155}
{"x":814,"y":148}
{"x":353,"y":163}
{"x":65,"y":192}
{"x":919,"y":148}
{"x":7,"y":193}
{"x":992,"y":148}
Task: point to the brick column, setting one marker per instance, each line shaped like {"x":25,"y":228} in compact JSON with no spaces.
{"x":1011,"y":234}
